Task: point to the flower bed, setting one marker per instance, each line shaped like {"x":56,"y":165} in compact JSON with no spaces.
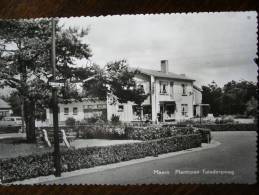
{"x":21,"y":168}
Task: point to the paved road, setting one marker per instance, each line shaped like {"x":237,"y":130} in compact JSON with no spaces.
{"x":236,"y":155}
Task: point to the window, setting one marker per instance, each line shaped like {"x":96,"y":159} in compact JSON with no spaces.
{"x":66,"y":111}
{"x":90,"y":106}
{"x":120,"y":108}
{"x":99,"y":106}
{"x":184,"y":109}
{"x":75,"y":111}
{"x":184,"y":89}
{"x":163,"y":87}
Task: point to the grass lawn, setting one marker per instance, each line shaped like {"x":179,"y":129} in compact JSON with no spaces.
{"x":17,"y":146}
{"x":82,"y":143}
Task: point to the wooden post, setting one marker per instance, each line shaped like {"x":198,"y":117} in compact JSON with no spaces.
{"x":56,"y":158}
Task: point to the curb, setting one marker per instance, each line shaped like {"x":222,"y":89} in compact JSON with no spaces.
{"x":42,"y":179}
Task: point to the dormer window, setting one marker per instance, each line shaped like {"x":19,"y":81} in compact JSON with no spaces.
{"x":184,"y":90}
{"x":163,"y":87}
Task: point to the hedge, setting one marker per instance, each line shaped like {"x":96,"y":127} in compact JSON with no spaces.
{"x":224,"y":127}
{"x":12,"y":129}
{"x":21,"y":168}
{"x":156,"y":132}
{"x":229,"y":127}
{"x":100,"y":132}
{"x":205,"y":135}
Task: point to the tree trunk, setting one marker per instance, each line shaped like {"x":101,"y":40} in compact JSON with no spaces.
{"x":29,"y":110}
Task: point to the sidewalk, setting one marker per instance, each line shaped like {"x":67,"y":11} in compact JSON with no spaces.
{"x":43,"y":179}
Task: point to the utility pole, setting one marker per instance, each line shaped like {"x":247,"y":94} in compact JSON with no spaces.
{"x":55,"y":104}
{"x":22,"y":113}
{"x":200,"y":113}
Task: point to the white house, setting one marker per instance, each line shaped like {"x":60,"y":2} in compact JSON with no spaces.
{"x":172,"y":97}
{"x":5,"y":109}
{"x":79,"y":110}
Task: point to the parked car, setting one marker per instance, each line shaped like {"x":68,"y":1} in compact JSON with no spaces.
{"x":11,"y":121}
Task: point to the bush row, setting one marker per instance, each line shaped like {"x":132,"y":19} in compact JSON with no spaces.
{"x":9,"y":129}
{"x":100,"y":132}
{"x":229,"y":127}
{"x":205,"y":135}
{"x":156,"y":132}
{"x":41,"y":165}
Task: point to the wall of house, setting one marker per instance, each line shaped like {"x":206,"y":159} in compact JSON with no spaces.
{"x":145,"y":81}
{"x":5,"y":112}
{"x":197,"y":96}
{"x":126,"y":114}
{"x":82,"y":110}
{"x":176,"y":95}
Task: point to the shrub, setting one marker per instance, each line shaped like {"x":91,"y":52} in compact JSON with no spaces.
{"x":205,"y":135}
{"x":230,"y":127}
{"x":70,"y":121}
{"x":9,"y":129}
{"x":156,"y":132}
{"x":115,"y":119}
{"x":21,"y":168}
{"x":100,"y":132}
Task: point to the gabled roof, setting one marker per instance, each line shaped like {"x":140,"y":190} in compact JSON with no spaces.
{"x":161,"y":74}
{"x":4,"y":105}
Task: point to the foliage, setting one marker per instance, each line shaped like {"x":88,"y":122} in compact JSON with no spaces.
{"x":41,"y":165}
{"x":115,"y":119}
{"x":211,"y":95}
{"x":9,"y":129}
{"x":95,"y":119}
{"x":100,"y":132}
{"x":205,"y":135}
{"x":15,"y":102}
{"x":233,"y":98}
{"x":251,"y":107}
{"x":225,"y":120}
{"x":156,"y":132}
{"x":70,"y":122}
{"x":25,"y":62}
{"x":117,"y":82}
{"x":229,"y":127}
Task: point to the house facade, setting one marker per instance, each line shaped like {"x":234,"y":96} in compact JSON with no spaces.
{"x":172,"y":97}
{"x":79,"y":110}
{"x":5,"y":109}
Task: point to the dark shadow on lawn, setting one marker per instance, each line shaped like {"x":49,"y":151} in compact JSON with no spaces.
{"x":15,"y":140}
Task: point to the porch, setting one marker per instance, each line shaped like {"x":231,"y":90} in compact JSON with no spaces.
{"x":167,"y":111}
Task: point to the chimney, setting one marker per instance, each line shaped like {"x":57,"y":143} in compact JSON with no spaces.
{"x":164,"y":66}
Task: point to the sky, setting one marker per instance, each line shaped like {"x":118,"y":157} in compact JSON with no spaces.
{"x":204,"y":46}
